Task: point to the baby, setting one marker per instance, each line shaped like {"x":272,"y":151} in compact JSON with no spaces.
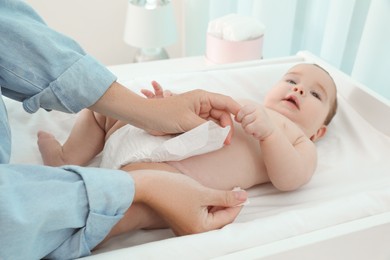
{"x":272,"y":142}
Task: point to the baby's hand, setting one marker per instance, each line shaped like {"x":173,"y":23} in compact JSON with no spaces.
{"x":255,"y":121}
{"x":158,"y":91}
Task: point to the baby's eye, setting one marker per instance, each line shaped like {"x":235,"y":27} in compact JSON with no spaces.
{"x":315,"y":94}
{"x":290,"y":81}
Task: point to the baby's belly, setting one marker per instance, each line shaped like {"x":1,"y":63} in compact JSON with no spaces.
{"x":238,"y":164}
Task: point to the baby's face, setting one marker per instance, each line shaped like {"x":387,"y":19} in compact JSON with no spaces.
{"x":304,"y":95}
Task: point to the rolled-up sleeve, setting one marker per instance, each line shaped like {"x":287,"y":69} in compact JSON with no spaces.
{"x":60,"y":213}
{"x":44,"y":68}
{"x":80,"y":86}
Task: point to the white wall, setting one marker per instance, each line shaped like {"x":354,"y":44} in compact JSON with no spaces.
{"x":97,"y":25}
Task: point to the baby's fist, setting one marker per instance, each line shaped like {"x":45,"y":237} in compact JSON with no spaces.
{"x":255,"y":121}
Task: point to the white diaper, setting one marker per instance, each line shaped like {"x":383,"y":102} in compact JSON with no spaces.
{"x":130,"y":144}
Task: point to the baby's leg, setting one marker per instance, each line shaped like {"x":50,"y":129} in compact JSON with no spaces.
{"x":85,"y":141}
{"x":160,"y":166}
{"x":138,"y":216}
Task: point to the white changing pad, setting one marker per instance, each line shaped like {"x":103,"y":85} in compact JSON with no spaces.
{"x":352,"y":180}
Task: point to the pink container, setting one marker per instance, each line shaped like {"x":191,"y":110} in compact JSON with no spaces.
{"x":222,"y":51}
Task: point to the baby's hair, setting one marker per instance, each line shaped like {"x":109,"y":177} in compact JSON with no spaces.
{"x":333,"y":107}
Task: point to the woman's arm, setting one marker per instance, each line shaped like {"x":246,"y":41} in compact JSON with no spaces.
{"x":180,"y":200}
{"x":61,"y":212}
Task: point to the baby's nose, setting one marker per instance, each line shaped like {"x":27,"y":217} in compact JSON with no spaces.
{"x":300,"y":91}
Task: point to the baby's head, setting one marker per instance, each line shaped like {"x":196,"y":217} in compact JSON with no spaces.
{"x":306,"y":95}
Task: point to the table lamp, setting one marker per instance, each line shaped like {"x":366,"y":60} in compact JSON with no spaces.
{"x":150,"y":26}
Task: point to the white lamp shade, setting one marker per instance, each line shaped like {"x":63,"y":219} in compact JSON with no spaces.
{"x":150,"y":28}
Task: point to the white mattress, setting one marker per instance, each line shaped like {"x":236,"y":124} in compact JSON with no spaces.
{"x":352,"y":180}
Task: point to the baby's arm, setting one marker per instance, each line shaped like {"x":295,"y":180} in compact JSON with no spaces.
{"x":290,"y":163}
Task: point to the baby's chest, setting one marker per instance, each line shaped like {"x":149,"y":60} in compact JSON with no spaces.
{"x":291,"y":130}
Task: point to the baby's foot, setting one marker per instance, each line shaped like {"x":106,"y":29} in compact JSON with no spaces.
{"x":50,"y":148}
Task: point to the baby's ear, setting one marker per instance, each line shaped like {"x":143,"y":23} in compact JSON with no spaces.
{"x":320,"y":133}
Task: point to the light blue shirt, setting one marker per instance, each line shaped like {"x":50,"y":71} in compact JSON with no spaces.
{"x":51,"y":212}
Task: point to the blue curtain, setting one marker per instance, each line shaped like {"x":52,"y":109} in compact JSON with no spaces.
{"x":352,"y":35}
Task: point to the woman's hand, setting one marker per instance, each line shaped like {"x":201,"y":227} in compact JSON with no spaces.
{"x":171,"y":115}
{"x":183,"y":112}
{"x":159,"y":92}
{"x":187,"y":206}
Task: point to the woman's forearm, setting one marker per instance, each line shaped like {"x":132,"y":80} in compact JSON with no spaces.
{"x":123,"y":104}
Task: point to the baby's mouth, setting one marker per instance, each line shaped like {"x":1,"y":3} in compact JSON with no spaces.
{"x":293,"y":100}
